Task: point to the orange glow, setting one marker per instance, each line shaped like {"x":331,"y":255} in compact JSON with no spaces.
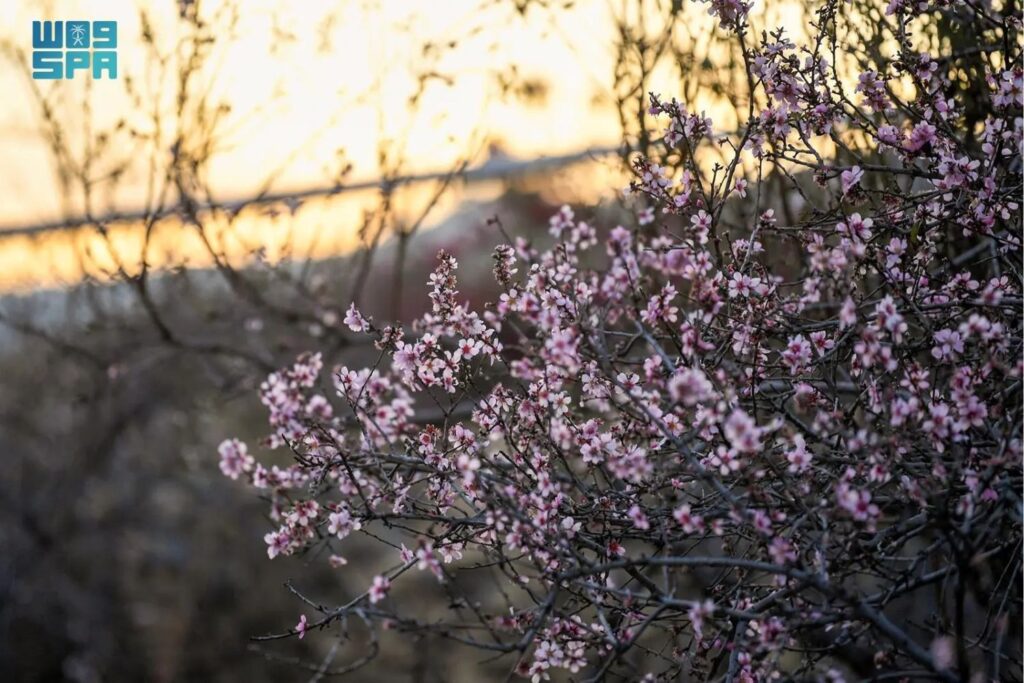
{"x":304,"y":80}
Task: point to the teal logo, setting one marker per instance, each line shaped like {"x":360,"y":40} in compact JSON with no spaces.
{"x":61,"y":49}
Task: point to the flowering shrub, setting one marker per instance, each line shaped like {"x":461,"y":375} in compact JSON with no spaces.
{"x":717,"y":442}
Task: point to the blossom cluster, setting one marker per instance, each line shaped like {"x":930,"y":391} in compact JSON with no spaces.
{"x":716,"y":433}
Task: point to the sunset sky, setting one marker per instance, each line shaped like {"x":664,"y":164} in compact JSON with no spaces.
{"x":310,"y":87}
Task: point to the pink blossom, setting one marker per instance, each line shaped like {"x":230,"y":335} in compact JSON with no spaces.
{"x":872,"y":86}
{"x":856,"y":228}
{"x":742,"y":432}
{"x":851,"y":178}
{"x":890,"y":319}
{"x":857,"y":502}
{"x":797,"y":354}
{"x":799,"y":457}
{"x":690,"y":386}
{"x":379,"y":589}
{"x":687,"y":520}
{"x":948,"y":345}
{"x":354,"y":319}
{"x":234,"y":458}
{"x":743,"y":286}
{"x":698,"y":614}
{"x":848,"y":313}
{"x":341,"y":523}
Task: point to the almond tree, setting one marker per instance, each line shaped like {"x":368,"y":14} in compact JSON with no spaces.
{"x":716,"y":441}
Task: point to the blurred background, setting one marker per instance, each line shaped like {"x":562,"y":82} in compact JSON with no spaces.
{"x":169,"y":237}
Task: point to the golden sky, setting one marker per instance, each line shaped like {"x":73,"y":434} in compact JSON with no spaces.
{"x":304,"y":80}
